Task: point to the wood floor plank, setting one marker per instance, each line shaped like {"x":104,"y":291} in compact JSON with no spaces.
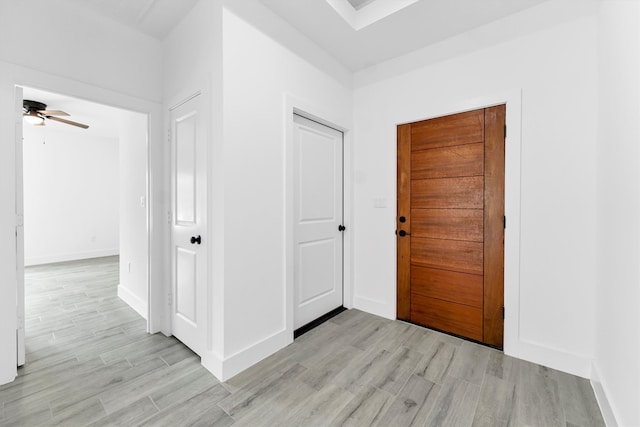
{"x":497,"y":403}
{"x":395,"y":373}
{"x":471,"y":362}
{"x":183,"y":388}
{"x":437,"y":362}
{"x":130,"y":415}
{"x":534,"y":392}
{"x":412,"y":405}
{"x":243,"y":401}
{"x":366,"y":408}
{"x":319,"y":408}
{"x":198,"y":410}
{"x":578,"y":401}
{"x":456,"y":404}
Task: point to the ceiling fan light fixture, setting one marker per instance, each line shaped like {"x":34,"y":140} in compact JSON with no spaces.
{"x":33,"y":118}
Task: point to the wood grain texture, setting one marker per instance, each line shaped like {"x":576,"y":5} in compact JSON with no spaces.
{"x":494,"y":226}
{"x":446,"y":285}
{"x":453,"y":255}
{"x":447,"y":162}
{"x":300,"y":385}
{"x":450,"y":224}
{"x":403,"y":267}
{"x":447,"y":193}
{"x":444,"y":315}
{"x":456,"y":129}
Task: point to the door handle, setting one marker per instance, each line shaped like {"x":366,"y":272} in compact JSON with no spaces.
{"x":195,"y":240}
{"x":402,"y":233}
{"x":341,"y":227}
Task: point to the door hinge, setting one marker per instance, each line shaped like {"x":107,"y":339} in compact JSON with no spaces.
{"x":20,"y":323}
{"x":504,"y":222}
{"x":169,"y":217}
{"x":503,"y":312}
{"x":169,"y":134}
{"x":505,"y":131}
{"x":169,"y":299}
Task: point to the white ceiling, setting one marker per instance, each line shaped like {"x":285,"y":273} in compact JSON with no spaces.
{"x":153,"y":17}
{"x":423,"y":23}
{"x":416,"y":26}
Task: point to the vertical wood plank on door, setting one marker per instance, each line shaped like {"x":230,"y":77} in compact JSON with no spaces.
{"x":404,"y":209}
{"x":494,"y":225}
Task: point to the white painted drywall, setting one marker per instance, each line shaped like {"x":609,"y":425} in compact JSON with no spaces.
{"x":70,"y":195}
{"x":69,"y":41}
{"x":92,"y":58}
{"x":617,"y":333}
{"x":555,"y":70}
{"x":132,"y":192}
{"x":259,"y":75}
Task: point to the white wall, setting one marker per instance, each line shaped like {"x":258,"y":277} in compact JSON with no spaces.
{"x":92,"y":58}
{"x":59,"y":38}
{"x":617,"y":335}
{"x":552,"y":320}
{"x":70,"y":195}
{"x":263,"y":81}
{"x":132,"y":192}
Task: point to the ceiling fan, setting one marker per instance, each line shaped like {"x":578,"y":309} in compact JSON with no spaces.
{"x":36,"y":113}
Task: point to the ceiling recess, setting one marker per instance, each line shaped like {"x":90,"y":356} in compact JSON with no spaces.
{"x":362,"y":13}
{"x":359,"y":4}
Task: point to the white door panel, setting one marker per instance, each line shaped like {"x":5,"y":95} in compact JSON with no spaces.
{"x":317,"y":216}
{"x":188,"y":253}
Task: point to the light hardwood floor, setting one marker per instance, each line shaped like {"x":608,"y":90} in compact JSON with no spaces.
{"x":90,"y":362}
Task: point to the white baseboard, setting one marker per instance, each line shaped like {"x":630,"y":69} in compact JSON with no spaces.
{"x":378,"y":308}
{"x":133,"y":301}
{"x":601,"y":397}
{"x":50,"y":259}
{"x":570,"y":363}
{"x":244,"y":359}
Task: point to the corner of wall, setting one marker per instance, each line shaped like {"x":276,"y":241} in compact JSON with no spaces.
{"x":226,"y":368}
{"x":601,"y":396}
{"x":132,"y":300}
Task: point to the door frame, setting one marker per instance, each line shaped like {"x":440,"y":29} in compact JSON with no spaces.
{"x":294,"y":105}
{"x":156,"y":274}
{"x":512,"y":179}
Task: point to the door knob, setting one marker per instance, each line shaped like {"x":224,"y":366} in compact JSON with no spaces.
{"x":195,"y":240}
{"x":402,"y":233}
{"x":403,"y":219}
{"x":341,"y":227}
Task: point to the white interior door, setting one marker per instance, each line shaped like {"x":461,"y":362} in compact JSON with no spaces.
{"x":19,"y":228}
{"x":189,"y":246}
{"x":318,"y":220}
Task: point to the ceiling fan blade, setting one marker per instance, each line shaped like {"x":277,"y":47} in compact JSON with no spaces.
{"x":68,"y":122}
{"x":53,"y":113}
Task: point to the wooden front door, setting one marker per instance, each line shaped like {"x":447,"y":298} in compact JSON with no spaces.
{"x":450,"y":224}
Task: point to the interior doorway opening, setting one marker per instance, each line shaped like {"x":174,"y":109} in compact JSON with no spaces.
{"x":82,"y":195}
